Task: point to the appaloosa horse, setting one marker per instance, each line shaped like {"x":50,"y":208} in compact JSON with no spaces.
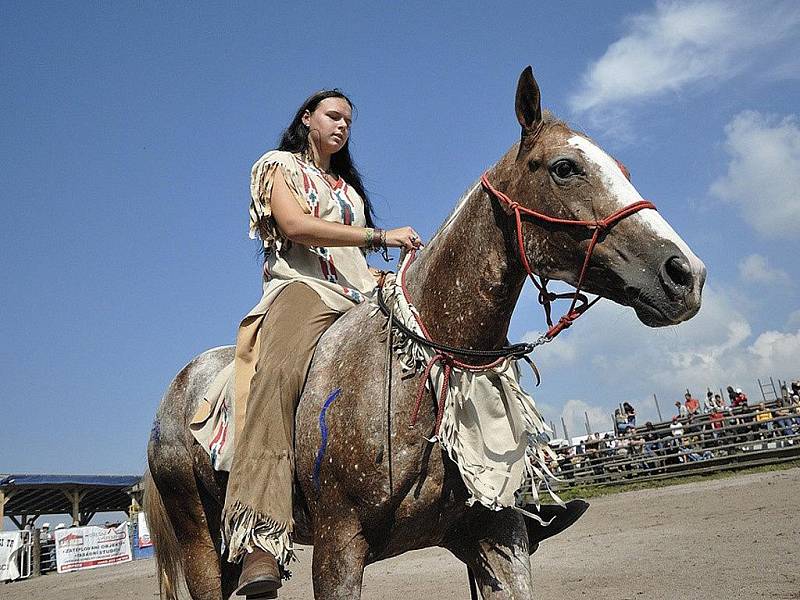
{"x":376,"y":499}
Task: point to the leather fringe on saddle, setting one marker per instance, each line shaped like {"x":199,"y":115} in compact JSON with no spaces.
{"x":487,"y":424}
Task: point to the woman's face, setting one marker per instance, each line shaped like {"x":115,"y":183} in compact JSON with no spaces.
{"x":329,"y":124}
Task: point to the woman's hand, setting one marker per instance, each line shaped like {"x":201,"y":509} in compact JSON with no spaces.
{"x":403,"y":237}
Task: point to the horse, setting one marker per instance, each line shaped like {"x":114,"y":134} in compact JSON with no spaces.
{"x":383,"y":488}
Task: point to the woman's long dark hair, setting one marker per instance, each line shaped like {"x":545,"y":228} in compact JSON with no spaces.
{"x":295,"y":139}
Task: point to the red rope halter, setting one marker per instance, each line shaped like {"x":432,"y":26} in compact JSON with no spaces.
{"x":546,"y":297}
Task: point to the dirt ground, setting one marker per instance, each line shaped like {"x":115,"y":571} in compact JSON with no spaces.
{"x":737,"y":537}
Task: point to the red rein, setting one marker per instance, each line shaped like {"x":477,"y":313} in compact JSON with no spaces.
{"x":545,"y":297}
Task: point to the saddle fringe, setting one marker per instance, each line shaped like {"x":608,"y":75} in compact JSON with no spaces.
{"x":414,"y":356}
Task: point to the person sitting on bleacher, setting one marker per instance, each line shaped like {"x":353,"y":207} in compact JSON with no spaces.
{"x":738,"y":397}
{"x":764,"y":418}
{"x":717,"y":422}
{"x":784,"y":421}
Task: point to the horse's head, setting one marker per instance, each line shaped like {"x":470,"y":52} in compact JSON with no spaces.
{"x":638,"y":260}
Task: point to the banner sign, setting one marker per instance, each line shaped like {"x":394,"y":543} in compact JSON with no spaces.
{"x":89,"y":547}
{"x":144,"y":532}
{"x":10,"y":543}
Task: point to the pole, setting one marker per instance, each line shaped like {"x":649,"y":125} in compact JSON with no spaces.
{"x":36,"y":553}
{"x":658,"y":409}
{"x":761,"y":387}
{"x":588,"y":427}
{"x":564,"y":425}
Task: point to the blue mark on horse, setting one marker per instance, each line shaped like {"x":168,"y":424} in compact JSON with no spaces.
{"x":323,"y":430}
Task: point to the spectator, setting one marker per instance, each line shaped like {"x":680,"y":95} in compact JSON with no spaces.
{"x":717,"y":422}
{"x":796,"y":388}
{"x":682,"y":412}
{"x":651,"y":438}
{"x":764,"y":418}
{"x":719,"y":402}
{"x":694,"y":453}
{"x":794,"y":411}
{"x":652,"y":446}
{"x":676,"y":429}
{"x":783,"y":414}
{"x":621,"y":420}
{"x":731,"y":395}
{"x":708,"y":403}
{"x":692,"y":405}
{"x":630,"y":413}
{"x":739,"y":397}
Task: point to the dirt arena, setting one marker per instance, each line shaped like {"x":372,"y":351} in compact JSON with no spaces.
{"x":737,"y":537}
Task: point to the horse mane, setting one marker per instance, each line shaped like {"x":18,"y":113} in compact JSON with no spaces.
{"x":548,"y":120}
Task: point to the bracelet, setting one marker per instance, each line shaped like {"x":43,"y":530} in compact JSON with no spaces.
{"x":369,"y":235}
{"x":379,"y":240}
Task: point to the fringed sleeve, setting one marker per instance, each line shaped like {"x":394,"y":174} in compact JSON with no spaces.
{"x":262,"y":178}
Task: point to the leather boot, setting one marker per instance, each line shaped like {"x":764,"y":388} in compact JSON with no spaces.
{"x":562,"y":518}
{"x":260,"y":576}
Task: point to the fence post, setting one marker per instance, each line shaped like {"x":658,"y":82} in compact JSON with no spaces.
{"x":658,"y":409}
{"x":36,"y":553}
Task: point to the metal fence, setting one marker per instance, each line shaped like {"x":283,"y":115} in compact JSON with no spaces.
{"x":24,"y":555}
{"x":47,"y":557}
{"x":726,"y":439}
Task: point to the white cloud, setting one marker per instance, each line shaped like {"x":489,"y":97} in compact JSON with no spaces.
{"x":624,"y":360}
{"x":756,"y":269}
{"x":763,"y":178}
{"x":682,"y":43}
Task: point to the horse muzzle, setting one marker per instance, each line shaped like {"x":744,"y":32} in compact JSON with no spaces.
{"x":673,"y":295}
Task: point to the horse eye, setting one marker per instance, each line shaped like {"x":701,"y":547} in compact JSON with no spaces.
{"x":564,"y":169}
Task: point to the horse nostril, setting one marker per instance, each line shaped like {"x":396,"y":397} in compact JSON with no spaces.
{"x":679,"y":271}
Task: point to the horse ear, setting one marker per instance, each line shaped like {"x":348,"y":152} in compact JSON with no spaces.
{"x":529,"y":101}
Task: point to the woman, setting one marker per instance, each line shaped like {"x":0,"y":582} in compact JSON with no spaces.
{"x":630,"y":413}
{"x":309,"y":208}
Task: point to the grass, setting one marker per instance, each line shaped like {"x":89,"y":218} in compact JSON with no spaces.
{"x":596,"y":491}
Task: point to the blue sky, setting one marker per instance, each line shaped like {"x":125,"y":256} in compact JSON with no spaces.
{"x":129,"y":132}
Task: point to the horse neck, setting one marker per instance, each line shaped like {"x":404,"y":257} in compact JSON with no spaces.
{"x":466,"y":282}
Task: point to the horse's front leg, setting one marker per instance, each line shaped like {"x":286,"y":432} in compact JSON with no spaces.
{"x":495,"y":546}
{"x":340,"y":553}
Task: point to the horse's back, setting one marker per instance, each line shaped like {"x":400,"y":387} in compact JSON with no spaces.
{"x":180,"y":402}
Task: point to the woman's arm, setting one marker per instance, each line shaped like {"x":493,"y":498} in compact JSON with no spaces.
{"x":308,"y":230}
